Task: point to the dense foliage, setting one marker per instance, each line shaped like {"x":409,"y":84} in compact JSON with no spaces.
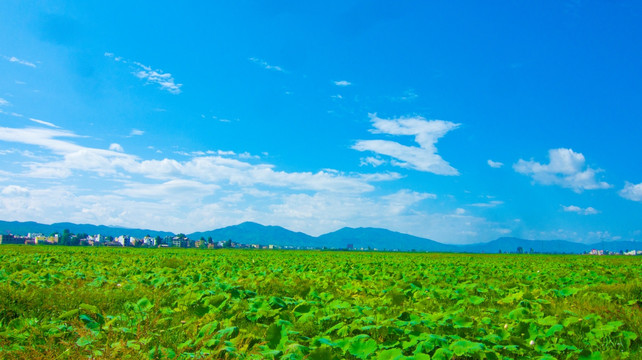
{"x":110,"y":303}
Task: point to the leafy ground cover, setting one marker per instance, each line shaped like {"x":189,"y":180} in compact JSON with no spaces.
{"x":68,"y":303}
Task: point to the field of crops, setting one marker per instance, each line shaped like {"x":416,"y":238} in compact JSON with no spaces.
{"x":68,"y":303}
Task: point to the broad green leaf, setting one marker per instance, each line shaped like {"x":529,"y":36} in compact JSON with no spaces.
{"x":302,"y":308}
{"x":587,"y":355}
{"x":476,"y":300}
{"x":511,"y":298}
{"x":628,"y":335}
{"x":144,"y":304}
{"x":273,"y":335}
{"x":419,"y":357}
{"x":392,"y":354}
{"x":553,"y":329}
{"x":518,"y":314}
{"x":277,"y":303}
{"x":362,"y":346}
{"x":321,"y":353}
{"x":465,"y":347}
{"x":567,"y":292}
{"x":228,"y":333}
{"x":84,"y":341}
{"x":442,"y":354}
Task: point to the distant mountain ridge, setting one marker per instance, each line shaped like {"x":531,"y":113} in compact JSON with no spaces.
{"x":381,"y":239}
{"x":366,"y":238}
{"x":253,"y":233}
{"x":23,"y":228}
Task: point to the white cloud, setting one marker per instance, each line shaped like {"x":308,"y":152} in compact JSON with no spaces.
{"x":44,"y":123}
{"x":215,"y":168}
{"x":14,"y":190}
{"x":46,"y":138}
{"x":490,"y":204}
{"x":165,"y":80}
{"x":342,"y":83}
{"x":247,"y":155}
{"x":582,"y":211}
{"x":116,"y":147}
{"x":572,"y":208}
{"x":373,"y":161}
{"x":151,"y":76}
{"x":566,"y":168}
{"x":211,"y":189}
{"x":426,"y":133}
{"x":265,"y":65}
{"x":495,"y":164}
{"x":136,"y":132}
{"x":4,"y":102}
{"x":631,"y":191}
{"x":19,"y":61}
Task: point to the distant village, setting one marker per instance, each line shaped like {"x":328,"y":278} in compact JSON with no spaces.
{"x":177,"y":241}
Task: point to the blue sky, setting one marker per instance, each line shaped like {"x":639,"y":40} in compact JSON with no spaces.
{"x":458,"y":121}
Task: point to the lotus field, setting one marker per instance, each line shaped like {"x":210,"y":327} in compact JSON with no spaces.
{"x":108,"y":303}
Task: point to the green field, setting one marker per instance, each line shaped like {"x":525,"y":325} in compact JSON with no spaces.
{"x":66,"y":302}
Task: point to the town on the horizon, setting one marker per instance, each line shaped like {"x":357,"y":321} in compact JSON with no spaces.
{"x":178,"y":241}
{"x":183,"y":241}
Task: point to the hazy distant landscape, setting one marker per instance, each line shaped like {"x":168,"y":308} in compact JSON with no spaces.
{"x":353,"y":238}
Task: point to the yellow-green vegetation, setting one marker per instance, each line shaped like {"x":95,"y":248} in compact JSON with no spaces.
{"x":65,"y":302}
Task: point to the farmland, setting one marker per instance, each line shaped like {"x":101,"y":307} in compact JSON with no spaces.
{"x":71,"y":302}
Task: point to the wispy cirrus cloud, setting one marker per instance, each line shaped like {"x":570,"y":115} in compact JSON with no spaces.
{"x":423,"y":157}
{"x":582,"y":211}
{"x":46,"y":123}
{"x":342,"y":83}
{"x":265,"y":65}
{"x":164,"y":80}
{"x":566,"y":168}
{"x":14,"y":59}
{"x":152,"y":76}
{"x":4,"y":102}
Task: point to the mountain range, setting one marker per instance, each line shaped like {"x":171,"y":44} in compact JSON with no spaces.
{"x":357,"y":238}
{"x":24,"y":228}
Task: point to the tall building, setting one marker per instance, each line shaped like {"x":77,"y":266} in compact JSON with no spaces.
{"x":10,"y":239}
